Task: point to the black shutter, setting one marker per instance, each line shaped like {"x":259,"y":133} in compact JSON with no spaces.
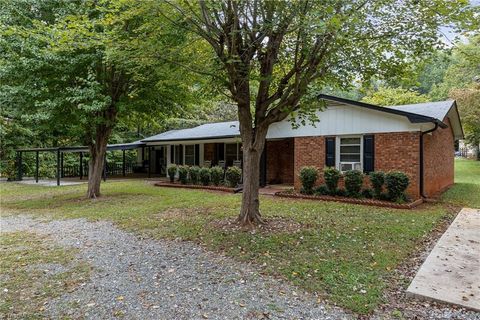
{"x":368,"y":153}
{"x":197,"y":154}
{"x":330,"y":151}
{"x":172,"y":154}
{"x":220,"y":151}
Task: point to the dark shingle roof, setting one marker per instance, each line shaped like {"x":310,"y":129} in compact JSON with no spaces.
{"x":205,"y":131}
{"x":437,"y":110}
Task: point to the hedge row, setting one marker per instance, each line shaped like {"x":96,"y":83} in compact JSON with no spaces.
{"x":395,"y":183}
{"x":205,"y":176}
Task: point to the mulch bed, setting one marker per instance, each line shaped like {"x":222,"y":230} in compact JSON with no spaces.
{"x":368,"y":202}
{"x":194,"y":186}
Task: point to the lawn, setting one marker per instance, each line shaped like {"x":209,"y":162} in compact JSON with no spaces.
{"x":346,"y":253}
{"x":467,"y":184}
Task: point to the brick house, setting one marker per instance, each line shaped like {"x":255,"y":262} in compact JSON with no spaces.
{"x":416,"y":139}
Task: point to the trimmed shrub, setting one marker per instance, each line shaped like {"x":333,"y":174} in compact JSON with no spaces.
{"x":321,"y":190}
{"x":367,"y":193}
{"x":194,"y":174}
{"x":308,"y":177}
{"x":353,"y":183}
{"x":340,"y":192}
{"x":216,"y":173}
{"x":183,"y":174}
{"x":205,"y":176}
{"x":377,"y":179}
{"x":396,"y":182}
{"x":233,"y":175}
{"x":172,"y":171}
{"x":331,"y":176}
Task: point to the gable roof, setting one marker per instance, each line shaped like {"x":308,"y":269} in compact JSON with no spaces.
{"x":437,"y":110}
{"x":215,"y":130}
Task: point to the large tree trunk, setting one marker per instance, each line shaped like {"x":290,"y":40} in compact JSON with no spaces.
{"x":252,"y":153}
{"x":97,"y":163}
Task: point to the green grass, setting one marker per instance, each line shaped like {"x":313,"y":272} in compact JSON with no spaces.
{"x":25,"y":285}
{"x":344,"y":252}
{"x":466,"y":191}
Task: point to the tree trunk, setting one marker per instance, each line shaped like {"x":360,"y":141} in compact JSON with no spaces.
{"x":252,"y":152}
{"x":97,"y":162}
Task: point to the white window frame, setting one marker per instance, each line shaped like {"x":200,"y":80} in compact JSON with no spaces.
{"x":337,"y":152}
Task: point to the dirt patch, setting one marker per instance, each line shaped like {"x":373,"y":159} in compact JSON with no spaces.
{"x":271,"y":225}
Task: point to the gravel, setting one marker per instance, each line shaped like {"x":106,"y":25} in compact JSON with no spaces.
{"x":139,"y":278}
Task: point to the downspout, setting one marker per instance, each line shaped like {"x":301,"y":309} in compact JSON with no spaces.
{"x":422,"y":191}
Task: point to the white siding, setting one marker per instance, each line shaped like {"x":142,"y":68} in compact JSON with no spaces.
{"x":345,"y":120}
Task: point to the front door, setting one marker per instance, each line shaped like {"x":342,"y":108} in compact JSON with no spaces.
{"x":161,"y":161}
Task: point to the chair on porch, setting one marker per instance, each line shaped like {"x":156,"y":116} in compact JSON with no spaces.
{"x":222,"y":164}
{"x":207,"y":164}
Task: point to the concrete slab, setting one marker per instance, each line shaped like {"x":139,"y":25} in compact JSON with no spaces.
{"x":451,"y":273}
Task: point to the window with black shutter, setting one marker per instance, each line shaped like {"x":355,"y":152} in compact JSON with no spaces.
{"x":368,"y":153}
{"x":330,"y":151}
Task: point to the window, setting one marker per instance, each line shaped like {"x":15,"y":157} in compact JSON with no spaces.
{"x":350,"y":153}
{"x":190,"y":155}
{"x":178,"y":154}
{"x":232,"y":152}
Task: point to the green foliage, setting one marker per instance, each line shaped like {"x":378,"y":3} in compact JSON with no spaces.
{"x":321,"y":190}
{"x":183,"y":174}
{"x":367,"y":193}
{"x":308,"y":177}
{"x":205,"y":176}
{"x":396,"y":183}
{"x":172,"y":171}
{"x":340,"y":192}
{"x":217,"y":175}
{"x":331,"y":176}
{"x":353,"y":183}
{"x":233,"y":175}
{"x":394,"y":96}
{"x":377,"y":179}
{"x":194,"y":174}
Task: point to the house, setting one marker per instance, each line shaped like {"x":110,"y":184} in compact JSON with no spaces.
{"x":416,"y":139}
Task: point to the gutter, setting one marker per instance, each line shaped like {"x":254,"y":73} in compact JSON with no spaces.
{"x":422,"y":191}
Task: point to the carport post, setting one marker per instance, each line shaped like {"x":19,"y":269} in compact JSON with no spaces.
{"x":58,"y":167}
{"x":20,"y":164}
{"x":81,"y":165}
{"x":62,"y":173}
{"x":123,"y":163}
{"x":36,"y":167}
{"x":105,"y":167}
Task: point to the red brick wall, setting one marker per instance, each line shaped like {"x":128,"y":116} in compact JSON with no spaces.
{"x":308,"y":151}
{"x":393,"y":151}
{"x":438,"y":160}
{"x":400,"y":151}
{"x":209,"y":151}
{"x":280,"y":161}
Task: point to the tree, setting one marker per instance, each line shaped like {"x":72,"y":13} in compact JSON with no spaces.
{"x":269,"y":53}
{"x":77,"y":67}
{"x":394,"y":96}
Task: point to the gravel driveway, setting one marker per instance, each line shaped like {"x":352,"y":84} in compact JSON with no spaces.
{"x":148,"y":279}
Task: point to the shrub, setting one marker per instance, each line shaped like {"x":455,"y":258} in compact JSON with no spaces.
{"x":321,"y":190}
{"x":216,"y":174}
{"x":183,"y":174}
{"x":308,"y":177}
{"x":396,"y":183}
{"x":194,"y":173}
{"x":331,"y":176}
{"x":205,"y":176}
{"x":353,"y":183}
{"x":340,"y":192}
{"x":367,"y":193}
{"x":377,"y":179}
{"x":233,"y":176}
{"x":172,"y":171}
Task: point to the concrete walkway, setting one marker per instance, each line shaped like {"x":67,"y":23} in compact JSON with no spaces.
{"x":451,"y":273}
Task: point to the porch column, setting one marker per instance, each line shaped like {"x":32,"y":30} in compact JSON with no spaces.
{"x":58,"y":167}
{"x":123,"y":162}
{"x":150,"y":162}
{"x":36,"y":167}
{"x":61,"y":166}
{"x":81,"y":165}
{"x":20,"y":165}
{"x":105,"y":167}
